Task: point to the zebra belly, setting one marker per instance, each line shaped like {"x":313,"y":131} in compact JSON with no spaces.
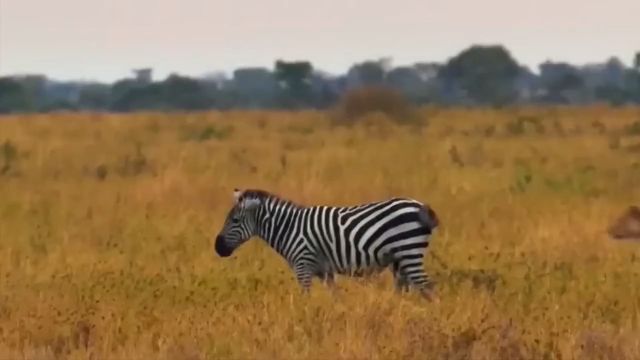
{"x":366,"y":270}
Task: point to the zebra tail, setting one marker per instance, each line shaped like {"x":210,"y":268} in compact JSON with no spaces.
{"x":429,"y":218}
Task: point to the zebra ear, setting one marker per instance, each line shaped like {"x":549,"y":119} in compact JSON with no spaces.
{"x":236,"y":194}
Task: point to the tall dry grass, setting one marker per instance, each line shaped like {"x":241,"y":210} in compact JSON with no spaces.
{"x":107,"y":222}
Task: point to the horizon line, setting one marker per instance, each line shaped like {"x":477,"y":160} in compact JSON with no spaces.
{"x":228,"y":72}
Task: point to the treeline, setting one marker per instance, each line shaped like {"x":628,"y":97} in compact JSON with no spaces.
{"x":479,"y":75}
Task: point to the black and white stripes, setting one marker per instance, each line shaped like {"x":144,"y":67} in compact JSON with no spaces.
{"x":323,"y":240}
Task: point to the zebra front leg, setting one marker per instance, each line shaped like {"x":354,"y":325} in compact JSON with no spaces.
{"x":303,"y":276}
{"x":325,"y":276}
{"x":328,"y":279}
{"x":330,"y":282}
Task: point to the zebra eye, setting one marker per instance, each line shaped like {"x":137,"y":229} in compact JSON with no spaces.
{"x":235,"y":220}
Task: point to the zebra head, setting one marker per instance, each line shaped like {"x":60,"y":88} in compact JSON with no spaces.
{"x":240,"y":225}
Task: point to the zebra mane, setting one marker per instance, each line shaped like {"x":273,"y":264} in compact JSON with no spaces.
{"x":265,"y":195}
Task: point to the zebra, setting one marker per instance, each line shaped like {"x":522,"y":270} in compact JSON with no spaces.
{"x":319,"y":240}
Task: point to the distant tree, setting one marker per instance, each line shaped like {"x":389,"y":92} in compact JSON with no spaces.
{"x":35,"y":85}
{"x":608,"y":82}
{"x":325,"y":90}
{"x":121,"y":91}
{"x":428,"y":70}
{"x":184,"y":93}
{"x":565,"y":82}
{"x":130,"y":95}
{"x":526,"y":84}
{"x":94,"y":96}
{"x":565,"y":88}
{"x":294,"y":79}
{"x":368,"y":73}
{"x":432,"y":89}
{"x":561,"y":82}
{"x":228,"y":98}
{"x":633,"y":79}
{"x":213,"y":89}
{"x":255,"y":87}
{"x":614,"y":71}
{"x":58,"y":105}
{"x":485,"y":73}
{"x":60,"y":96}
{"x":13,"y":96}
{"x":613,"y":94}
{"x":407,"y":80}
{"x":176,"y":92}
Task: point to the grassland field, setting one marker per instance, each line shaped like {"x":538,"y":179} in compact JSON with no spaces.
{"x":107,"y":224}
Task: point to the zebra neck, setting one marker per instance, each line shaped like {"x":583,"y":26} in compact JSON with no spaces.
{"x":280,"y":225}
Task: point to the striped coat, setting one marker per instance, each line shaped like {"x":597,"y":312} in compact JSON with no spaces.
{"x":322,"y":241}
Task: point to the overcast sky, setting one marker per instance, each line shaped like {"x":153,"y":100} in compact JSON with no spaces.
{"x":105,"y":39}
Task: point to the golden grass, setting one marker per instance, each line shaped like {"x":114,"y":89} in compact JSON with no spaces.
{"x":107,"y":225}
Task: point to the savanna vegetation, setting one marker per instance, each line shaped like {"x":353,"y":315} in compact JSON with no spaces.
{"x":107,"y":225}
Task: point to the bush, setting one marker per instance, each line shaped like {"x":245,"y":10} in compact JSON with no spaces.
{"x":633,"y":128}
{"x":9,"y":156}
{"x":356,"y":104}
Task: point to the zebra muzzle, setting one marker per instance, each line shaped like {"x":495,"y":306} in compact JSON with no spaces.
{"x":221,"y":247}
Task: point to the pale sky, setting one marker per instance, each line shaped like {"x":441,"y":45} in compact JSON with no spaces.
{"x":105,"y":39}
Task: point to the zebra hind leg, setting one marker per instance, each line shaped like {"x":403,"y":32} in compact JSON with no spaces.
{"x":400,"y":280}
{"x":413,"y":270}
